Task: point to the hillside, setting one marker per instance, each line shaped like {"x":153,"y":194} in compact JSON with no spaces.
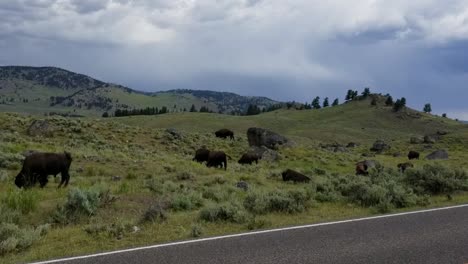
{"x":41,"y":90}
{"x":133,"y":183}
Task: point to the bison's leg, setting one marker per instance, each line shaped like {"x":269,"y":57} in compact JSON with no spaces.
{"x":43,"y":180}
{"x":65,"y":179}
{"x":225,"y":164}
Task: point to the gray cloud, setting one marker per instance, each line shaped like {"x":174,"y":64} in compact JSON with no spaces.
{"x":291,"y":50}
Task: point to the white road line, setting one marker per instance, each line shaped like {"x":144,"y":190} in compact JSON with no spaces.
{"x":250,"y":234}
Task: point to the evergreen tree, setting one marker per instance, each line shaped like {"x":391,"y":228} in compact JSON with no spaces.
{"x":336,"y":102}
{"x":444,"y":115}
{"x":389,"y":101}
{"x":427,"y":108}
{"x":316,"y":103}
{"x":253,"y":110}
{"x":374,"y":101}
{"x":325,"y":102}
{"x":193,"y":109}
{"x":366,"y":92}
{"x":399,"y":104}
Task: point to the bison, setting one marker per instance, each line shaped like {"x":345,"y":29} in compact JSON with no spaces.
{"x":224,"y":133}
{"x":38,"y":166}
{"x":201,"y":155}
{"x":404,"y":166}
{"x":217,"y":159}
{"x":413,"y":155}
{"x":361,"y":168}
{"x":290,"y":175}
{"x":249,"y":158}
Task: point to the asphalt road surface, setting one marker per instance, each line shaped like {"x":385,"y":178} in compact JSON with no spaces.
{"x":439,"y":236}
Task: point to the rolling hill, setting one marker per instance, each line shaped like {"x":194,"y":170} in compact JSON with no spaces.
{"x":45,"y":90}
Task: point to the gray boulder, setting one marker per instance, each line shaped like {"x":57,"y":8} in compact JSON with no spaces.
{"x":438,"y":155}
{"x":430,"y":139}
{"x":243,"y":185}
{"x":266,"y":154}
{"x":380,"y":146}
{"x":259,"y":137}
{"x":174,"y":133}
{"x":416,"y":140}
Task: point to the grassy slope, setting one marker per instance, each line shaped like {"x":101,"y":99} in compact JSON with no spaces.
{"x":138,"y":149}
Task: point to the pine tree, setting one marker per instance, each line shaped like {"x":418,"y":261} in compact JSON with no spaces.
{"x":316,"y":103}
{"x":389,"y":101}
{"x":374,"y":101}
{"x":193,"y":109}
{"x":325,"y":102}
{"x":427,"y":108}
{"x":336,"y":102}
{"x":399,"y":104}
{"x":366,"y":92}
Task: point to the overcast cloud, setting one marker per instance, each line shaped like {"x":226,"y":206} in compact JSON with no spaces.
{"x":287,"y":50}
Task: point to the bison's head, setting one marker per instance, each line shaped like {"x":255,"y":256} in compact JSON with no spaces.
{"x":20,"y":180}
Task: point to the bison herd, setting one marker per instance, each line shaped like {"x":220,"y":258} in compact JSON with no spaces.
{"x":38,"y":166}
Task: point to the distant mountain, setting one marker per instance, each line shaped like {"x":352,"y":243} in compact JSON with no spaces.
{"x":41,"y":90}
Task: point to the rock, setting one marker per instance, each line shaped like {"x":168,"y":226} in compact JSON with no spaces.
{"x":266,"y":154}
{"x":368,"y":155}
{"x":136,"y":229}
{"x":340,"y":149}
{"x":397,"y":155}
{"x":370,"y":163}
{"x":438,"y":155}
{"x":442,"y":132}
{"x":40,"y":128}
{"x":116,"y":178}
{"x":352,"y":145}
{"x":243,"y":185}
{"x":427,"y":146}
{"x":174,"y":133}
{"x":429,"y":139}
{"x":380,"y":146}
{"x":261,"y":137}
{"x":416,"y":140}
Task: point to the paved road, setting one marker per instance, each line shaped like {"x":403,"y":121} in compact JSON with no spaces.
{"x":426,"y":237}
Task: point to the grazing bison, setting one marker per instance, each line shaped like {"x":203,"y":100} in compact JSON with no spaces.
{"x":290,"y":175}
{"x":201,"y":155}
{"x":217,"y":159}
{"x":413,"y":155}
{"x":404,"y":166}
{"x":224,"y":133}
{"x":249,"y":158}
{"x":38,"y":166}
{"x":361,"y":168}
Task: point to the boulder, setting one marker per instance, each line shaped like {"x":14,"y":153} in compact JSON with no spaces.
{"x":430,"y":139}
{"x":243,"y":185}
{"x":380,"y":146}
{"x":266,"y":154}
{"x":259,"y":137}
{"x":442,"y":132}
{"x":438,"y":155}
{"x":416,"y":140}
{"x":352,"y":145}
{"x":40,"y":128}
{"x":174,"y":133}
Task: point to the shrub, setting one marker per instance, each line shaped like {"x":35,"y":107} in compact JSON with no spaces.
{"x":437,"y":179}
{"x":185,"y":176}
{"x":185,"y":202}
{"x":155,"y":213}
{"x":22,"y":200}
{"x":196,"y":231}
{"x":3,"y":176}
{"x":116,"y":230}
{"x":224,"y":212}
{"x":14,"y":238}
{"x":8,"y":215}
{"x":10,"y":161}
{"x":82,"y":203}
{"x":289,"y":202}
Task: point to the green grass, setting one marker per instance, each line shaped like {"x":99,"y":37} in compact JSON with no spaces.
{"x":155,"y":169}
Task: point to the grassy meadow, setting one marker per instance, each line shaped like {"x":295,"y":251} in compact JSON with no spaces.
{"x":134,"y":184}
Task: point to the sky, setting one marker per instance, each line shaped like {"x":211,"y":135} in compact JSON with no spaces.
{"x":285,"y":50}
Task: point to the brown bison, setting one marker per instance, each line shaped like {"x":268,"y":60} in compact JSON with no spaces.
{"x":38,"y":166}
{"x":201,"y":155}
{"x":413,"y":155}
{"x":361,"y":168}
{"x":217,"y":159}
{"x":249,"y":158}
{"x":290,"y":175}
{"x":404,"y":166}
{"x":224,"y":133}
